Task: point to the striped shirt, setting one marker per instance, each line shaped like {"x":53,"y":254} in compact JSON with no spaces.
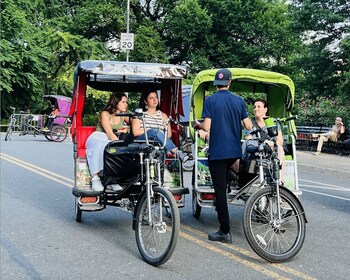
{"x":153,"y":121}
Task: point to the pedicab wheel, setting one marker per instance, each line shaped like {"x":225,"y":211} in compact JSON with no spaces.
{"x":156,"y":239}
{"x":196,"y":208}
{"x":8,"y":133}
{"x":274,"y":239}
{"x":48,"y":136}
{"x":78,"y":212}
{"x":58,"y":133}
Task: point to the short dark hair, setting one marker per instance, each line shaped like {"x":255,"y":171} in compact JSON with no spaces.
{"x":263,"y":101}
{"x":115,"y":98}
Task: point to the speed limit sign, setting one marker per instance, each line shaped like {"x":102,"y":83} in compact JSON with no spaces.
{"x":127,"y":41}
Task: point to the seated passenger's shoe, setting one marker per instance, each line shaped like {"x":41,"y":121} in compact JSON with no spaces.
{"x":115,"y":187}
{"x":317,"y":153}
{"x":182,"y":156}
{"x":97,"y":184}
{"x":220,"y":237}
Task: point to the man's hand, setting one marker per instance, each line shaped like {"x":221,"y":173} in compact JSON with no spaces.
{"x":196,"y":125}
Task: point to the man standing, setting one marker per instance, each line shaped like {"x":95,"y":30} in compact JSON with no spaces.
{"x":223,"y":113}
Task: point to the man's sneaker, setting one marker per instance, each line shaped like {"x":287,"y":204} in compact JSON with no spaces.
{"x":97,"y":184}
{"x":317,"y":153}
{"x":45,"y":129}
{"x":220,"y":237}
{"x":182,"y":156}
{"x":115,"y":187}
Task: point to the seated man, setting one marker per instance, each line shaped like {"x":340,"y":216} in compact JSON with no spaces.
{"x":337,"y":129}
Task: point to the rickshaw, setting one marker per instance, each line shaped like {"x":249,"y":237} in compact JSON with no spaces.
{"x":58,"y":130}
{"x":274,"y":219}
{"x":152,"y":198}
{"x":34,"y":124}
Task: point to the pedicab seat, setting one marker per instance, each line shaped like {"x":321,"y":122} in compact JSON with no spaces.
{"x":82,"y":134}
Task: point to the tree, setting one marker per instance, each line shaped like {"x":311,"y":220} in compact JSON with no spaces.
{"x":322,"y":25}
{"x":23,"y":62}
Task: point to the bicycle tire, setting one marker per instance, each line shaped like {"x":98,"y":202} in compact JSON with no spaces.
{"x":78,"y":211}
{"x":58,"y":133}
{"x":157,"y":241}
{"x":272,"y":239}
{"x":9,"y":132}
{"x":196,"y":208}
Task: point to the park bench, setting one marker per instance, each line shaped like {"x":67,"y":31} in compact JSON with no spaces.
{"x":305,"y":141}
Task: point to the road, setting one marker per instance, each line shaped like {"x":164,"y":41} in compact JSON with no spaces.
{"x":41,"y":240}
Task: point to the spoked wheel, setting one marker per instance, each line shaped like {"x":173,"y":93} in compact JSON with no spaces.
{"x":9,"y":132}
{"x":274,"y":239}
{"x":78,"y":212}
{"x":58,"y":133}
{"x":196,"y":208}
{"x":47,"y":135}
{"x":156,"y":240}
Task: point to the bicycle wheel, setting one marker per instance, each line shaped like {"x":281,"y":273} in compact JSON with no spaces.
{"x":58,"y":133}
{"x":274,"y":239}
{"x":156,"y":240}
{"x":196,"y":208}
{"x":78,"y":212}
{"x":9,"y":132}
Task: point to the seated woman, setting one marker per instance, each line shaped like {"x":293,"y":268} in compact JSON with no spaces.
{"x":51,"y":118}
{"x":108,"y":127}
{"x":260,"y":112}
{"x":337,"y":129}
{"x":155,"y":121}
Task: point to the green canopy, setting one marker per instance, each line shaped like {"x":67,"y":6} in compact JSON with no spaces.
{"x":279,"y":89}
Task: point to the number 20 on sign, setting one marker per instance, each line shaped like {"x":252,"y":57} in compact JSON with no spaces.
{"x":127,"y":41}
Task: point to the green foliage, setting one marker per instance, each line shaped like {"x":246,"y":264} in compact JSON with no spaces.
{"x":43,"y":40}
{"x":321,"y":111}
{"x":149,"y":47}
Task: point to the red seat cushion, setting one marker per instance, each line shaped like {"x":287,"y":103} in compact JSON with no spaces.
{"x":82,"y":134}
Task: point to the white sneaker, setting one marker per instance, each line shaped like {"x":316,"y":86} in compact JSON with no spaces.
{"x":97,"y":184}
{"x":115,"y":187}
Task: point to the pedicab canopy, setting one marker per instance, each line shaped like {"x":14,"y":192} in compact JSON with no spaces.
{"x":119,"y":76}
{"x":63,"y":104}
{"x":279,"y":90}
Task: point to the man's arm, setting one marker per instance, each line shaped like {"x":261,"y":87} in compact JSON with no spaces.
{"x":205,"y":125}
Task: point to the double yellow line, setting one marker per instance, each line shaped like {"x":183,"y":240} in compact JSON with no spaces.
{"x":38,"y":170}
{"x":231,"y":251}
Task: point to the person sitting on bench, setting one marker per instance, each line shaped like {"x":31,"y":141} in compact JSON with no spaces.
{"x":337,"y":129}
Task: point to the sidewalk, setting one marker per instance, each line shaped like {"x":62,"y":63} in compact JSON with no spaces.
{"x":324,"y":162}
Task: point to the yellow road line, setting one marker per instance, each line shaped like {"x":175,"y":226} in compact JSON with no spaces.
{"x":252,"y":255}
{"x":238,"y":259}
{"x":41,"y":171}
{"x":61,"y":180}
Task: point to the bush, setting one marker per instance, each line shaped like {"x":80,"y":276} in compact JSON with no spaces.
{"x":322,"y":111}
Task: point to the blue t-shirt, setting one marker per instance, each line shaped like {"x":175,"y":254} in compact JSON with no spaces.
{"x":226,"y":111}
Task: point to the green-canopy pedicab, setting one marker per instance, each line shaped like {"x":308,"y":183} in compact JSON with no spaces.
{"x":274,"y":219}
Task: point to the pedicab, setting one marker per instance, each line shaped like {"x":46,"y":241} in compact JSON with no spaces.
{"x":57,"y":131}
{"x":54,"y":128}
{"x":138,"y":167}
{"x":274,"y":219}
